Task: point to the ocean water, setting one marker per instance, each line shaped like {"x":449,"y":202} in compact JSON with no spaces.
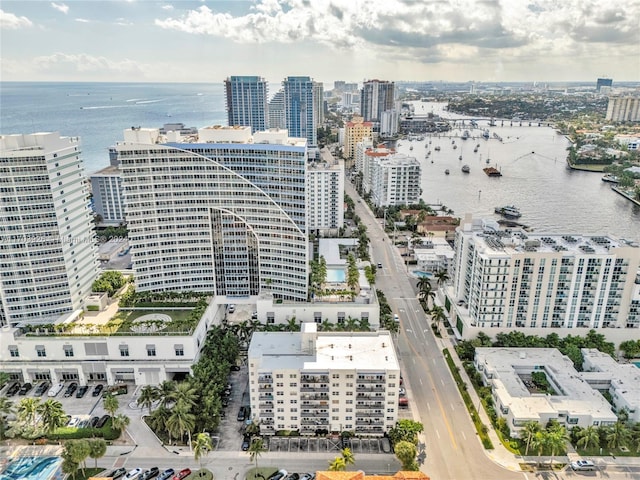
{"x":99,"y":112}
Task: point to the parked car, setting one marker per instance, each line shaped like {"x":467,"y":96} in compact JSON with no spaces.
{"x":70,"y":389}
{"x":402,"y":391}
{"x":293,"y":476}
{"x":583,"y":465}
{"x":133,"y":474}
{"x":41,"y":388}
{"x":232,"y":308}
{"x":74,"y":422}
{"x":26,"y":388}
{"x":246,"y":442}
{"x":182,"y":474}
{"x":103,"y":421}
{"x":379,"y":265}
{"x":279,"y":475}
{"x":93,"y":422}
{"x":56,"y":389}
{"x":97,"y":390}
{"x":117,"y":473}
{"x":241,"y":414}
{"x":166,"y":475}
{"x":151,"y":473}
{"x":308,"y":476}
{"x":120,"y":389}
{"x":81,"y":391}
{"x":13,"y":389}
{"x":235,"y":368}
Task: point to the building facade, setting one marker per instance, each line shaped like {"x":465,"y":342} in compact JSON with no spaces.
{"x":247,"y":102}
{"x":392,"y":179}
{"x":542,"y":283}
{"x":325,"y":193}
{"x":300,"y":107}
{"x":48,"y":255}
{"x":276,"y":111}
{"x":355,"y":131}
{"x":623,"y":109}
{"x":106,"y":188}
{"x":221,"y":212}
{"x":377,"y":96}
{"x":323,"y":382}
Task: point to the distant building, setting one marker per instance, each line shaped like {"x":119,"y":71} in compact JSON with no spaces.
{"x":48,"y":256}
{"x":623,"y":109}
{"x":355,"y":131}
{"x":632,"y":142}
{"x":276,"y":111}
{"x":433,"y":255}
{"x":318,"y":98}
{"x":246,"y":101}
{"x":377,"y":96}
{"x":325,"y":190}
{"x":603,"y":82}
{"x":301,"y":108}
{"x":321,"y":382}
{"x":106,"y":188}
{"x":389,"y":123}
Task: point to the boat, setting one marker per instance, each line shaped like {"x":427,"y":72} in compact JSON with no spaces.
{"x":475,"y":150}
{"x":411,"y":147}
{"x":460,"y":157}
{"x":446,"y":172}
{"x":465,"y":135}
{"x":485,"y":134}
{"x":437,"y":149}
{"x":455,"y":146}
{"x":508,"y":211}
{"x":492,"y":172}
{"x":610,"y":178}
{"x":466,"y":169}
{"x":488,"y":160}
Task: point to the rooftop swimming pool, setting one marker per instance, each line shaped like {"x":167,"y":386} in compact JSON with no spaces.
{"x":335,"y":275}
{"x":32,"y":468}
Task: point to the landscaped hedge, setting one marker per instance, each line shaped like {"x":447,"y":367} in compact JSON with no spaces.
{"x":69,"y":433}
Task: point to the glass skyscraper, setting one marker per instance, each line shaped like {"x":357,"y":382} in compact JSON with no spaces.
{"x":247,"y":102}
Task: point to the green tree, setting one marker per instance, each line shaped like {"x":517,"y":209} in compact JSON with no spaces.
{"x":337,"y":465}
{"x":425,"y":293}
{"x":347,"y":455}
{"x":120,"y":422}
{"x":28,"y":411}
{"x":165,"y":392}
{"x":202,"y":446}
{"x":528,"y":434}
{"x":185,"y":394}
{"x":181,"y":421}
{"x":406,"y":430}
{"x":556,"y":440}
{"x":148,"y":395}
{"x":77,"y":451}
{"x":97,"y":449}
{"x":52,"y":415}
{"x":69,"y":467}
{"x":617,"y":435}
{"x":406,"y":453}
{"x":255,"y":450}
{"x":110,"y":404}
{"x":539,"y":442}
{"x":588,"y":438}
{"x":438,"y":315}
{"x":442,"y":277}
{"x":353,"y":276}
{"x":6,"y":409}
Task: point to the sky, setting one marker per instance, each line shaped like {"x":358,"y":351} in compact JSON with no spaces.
{"x":352,"y":40}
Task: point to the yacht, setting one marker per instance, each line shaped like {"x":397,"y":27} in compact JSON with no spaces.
{"x":610,"y":178}
{"x":466,"y":169}
{"x":446,"y":172}
{"x":508,"y":211}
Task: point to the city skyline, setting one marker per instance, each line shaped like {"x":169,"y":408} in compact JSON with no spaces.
{"x":203,"y":41}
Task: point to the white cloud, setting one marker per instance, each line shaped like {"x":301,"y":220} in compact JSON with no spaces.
{"x":82,"y":20}
{"x":13,"y":22}
{"x":85,"y":63}
{"x":167,"y":7}
{"x":61,"y":7}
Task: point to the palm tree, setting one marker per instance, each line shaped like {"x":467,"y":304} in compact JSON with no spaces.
{"x":110,"y":404}
{"x":202,"y":446}
{"x":442,"y":276}
{"x":347,"y":455}
{"x":539,"y":442}
{"x":158,"y":419}
{"x":618,"y":435}
{"x":28,"y":411}
{"x":437,"y":315}
{"x":528,"y":434}
{"x":185,"y":394}
{"x":52,"y":415}
{"x":556,"y":440}
{"x":292,"y":325}
{"x":6,"y":409}
{"x":165,"y":392}
{"x":426,"y":292}
{"x":326,"y":325}
{"x":588,"y":438}
{"x":181,"y":421}
{"x":255,"y":450}
{"x":337,"y":465}
{"x":97,"y":449}
{"x":148,"y":395}
{"x":351,"y":324}
{"x":120,"y":422}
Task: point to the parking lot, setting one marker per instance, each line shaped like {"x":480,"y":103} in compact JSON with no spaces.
{"x":321,"y":445}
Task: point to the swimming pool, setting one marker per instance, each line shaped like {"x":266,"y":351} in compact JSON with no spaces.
{"x":33,"y":468}
{"x":637,"y":364}
{"x":335,"y":275}
{"x":421,"y":274}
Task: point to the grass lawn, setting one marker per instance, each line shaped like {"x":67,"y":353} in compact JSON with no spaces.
{"x":261,"y":473}
{"x":123,"y":317}
{"x":88,"y":472}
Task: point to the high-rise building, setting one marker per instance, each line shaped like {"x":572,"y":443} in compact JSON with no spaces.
{"x":377,"y":96}
{"x":542,"y":282}
{"x":48,"y":255}
{"x":603,"y":82}
{"x":276,"y":111}
{"x":623,"y":109}
{"x":389,"y":123}
{"x":106,"y":188}
{"x":246,"y":100}
{"x":224,"y":212}
{"x":318,"y":98}
{"x":301,"y":108}
{"x":355,"y":131}
{"x":320,"y":382}
{"x":325,"y":193}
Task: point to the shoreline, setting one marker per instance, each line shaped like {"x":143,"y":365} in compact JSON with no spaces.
{"x":620,"y":192}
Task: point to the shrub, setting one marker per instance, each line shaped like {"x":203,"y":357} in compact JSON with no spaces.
{"x":93,"y":308}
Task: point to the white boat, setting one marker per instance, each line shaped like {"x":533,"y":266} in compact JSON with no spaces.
{"x":508,"y":211}
{"x":466,"y":169}
{"x":610,"y":178}
{"x":465,"y":135}
{"x":446,"y":172}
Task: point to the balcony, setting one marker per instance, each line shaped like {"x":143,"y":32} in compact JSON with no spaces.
{"x":370,"y":413}
{"x":265,"y":379}
{"x":371,"y":379}
{"x":365,"y":388}
{"x":314,"y":378}
{"x":316,"y":396}
{"x":366,"y":405}
{"x":314,"y":421}
{"x":316,"y":414}
{"x":315,"y":388}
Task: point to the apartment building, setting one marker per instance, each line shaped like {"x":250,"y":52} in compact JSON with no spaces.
{"x":48,"y":253}
{"x":320,"y":382}
{"x":393,"y":179}
{"x":377,"y":96}
{"x":623,"y":108}
{"x":355,"y":131}
{"x":106,"y":189}
{"x":246,"y":99}
{"x":543,"y":283}
{"x":276,"y":111}
{"x":325,"y":190}
{"x":222,"y":211}
{"x":301,"y":108}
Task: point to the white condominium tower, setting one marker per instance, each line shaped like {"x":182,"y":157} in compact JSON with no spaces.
{"x":48,"y":253}
{"x":221,"y":211}
{"x":511,"y":279}
{"x":325,"y":193}
{"x":246,"y":100}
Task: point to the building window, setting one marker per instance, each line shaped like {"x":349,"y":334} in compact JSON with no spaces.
{"x":13,"y":351}
{"x":124,"y":350}
{"x":41,"y":351}
{"x":179,"y":350}
{"x":151,"y":350}
{"x":68,"y":351}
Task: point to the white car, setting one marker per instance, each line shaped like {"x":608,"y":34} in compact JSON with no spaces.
{"x":583,"y":465}
{"x":132,"y":474}
{"x":75,"y":422}
{"x":232,"y":308}
{"x":396,"y":318}
{"x":56,"y":389}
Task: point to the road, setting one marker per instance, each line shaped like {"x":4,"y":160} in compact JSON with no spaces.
{"x":453,"y":449}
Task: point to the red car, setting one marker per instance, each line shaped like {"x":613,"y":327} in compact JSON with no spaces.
{"x":182,"y":474}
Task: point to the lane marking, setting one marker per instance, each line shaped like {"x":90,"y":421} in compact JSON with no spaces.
{"x":437,"y":433}
{"x":428,"y":406}
{"x":420,"y":381}
{"x":442,"y":382}
{"x":463,"y":435}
